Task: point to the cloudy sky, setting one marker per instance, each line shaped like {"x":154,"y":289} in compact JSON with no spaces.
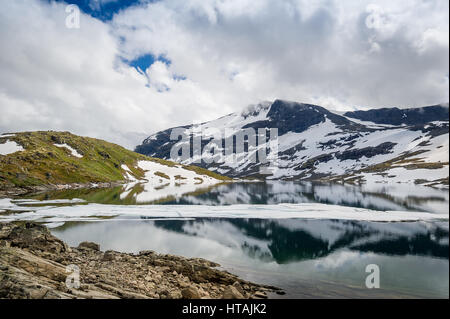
{"x":136,"y":67}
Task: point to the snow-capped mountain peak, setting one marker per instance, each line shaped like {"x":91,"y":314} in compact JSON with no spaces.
{"x":379,"y":145}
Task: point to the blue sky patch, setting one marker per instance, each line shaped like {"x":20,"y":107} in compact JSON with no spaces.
{"x":102,"y":10}
{"x":143,"y":62}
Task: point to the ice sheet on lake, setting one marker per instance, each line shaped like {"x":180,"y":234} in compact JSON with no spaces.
{"x":54,"y":224}
{"x":280,"y":211}
{"x":7,"y":204}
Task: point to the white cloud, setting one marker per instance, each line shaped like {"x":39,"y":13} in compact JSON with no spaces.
{"x":72,"y":79}
{"x":339,"y":54}
{"x":97,"y":4}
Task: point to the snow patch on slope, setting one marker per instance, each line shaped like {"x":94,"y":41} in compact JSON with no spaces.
{"x":72,"y":150}
{"x":402,"y":175}
{"x":174,"y":173}
{"x":10,"y":147}
{"x":437,"y":150}
{"x":128,"y":173}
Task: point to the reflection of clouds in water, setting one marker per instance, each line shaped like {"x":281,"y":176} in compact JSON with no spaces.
{"x":289,"y":188}
{"x":226,"y":234}
{"x":226,"y":242}
{"x":237,"y":197}
{"x":135,"y":236}
{"x":341,"y":259}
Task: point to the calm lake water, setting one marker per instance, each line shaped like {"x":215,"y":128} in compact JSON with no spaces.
{"x":308,"y":258}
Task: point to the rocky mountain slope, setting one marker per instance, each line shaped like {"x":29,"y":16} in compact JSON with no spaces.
{"x":61,"y":159}
{"x":376,"y":146}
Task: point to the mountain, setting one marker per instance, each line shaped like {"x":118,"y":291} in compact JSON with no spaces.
{"x":396,"y":116}
{"x":374,"y":146}
{"x":52,"y":159}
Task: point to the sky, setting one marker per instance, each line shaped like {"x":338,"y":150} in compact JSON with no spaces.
{"x":135,"y":67}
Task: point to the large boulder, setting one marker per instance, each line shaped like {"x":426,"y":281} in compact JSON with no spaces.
{"x":232,"y":292}
{"x":89,"y":245}
{"x":35,"y":237}
{"x":190,"y":293}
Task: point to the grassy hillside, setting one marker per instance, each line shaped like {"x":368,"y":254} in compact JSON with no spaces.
{"x":43,"y":163}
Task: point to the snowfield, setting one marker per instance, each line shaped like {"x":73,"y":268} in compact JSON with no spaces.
{"x":175,"y":174}
{"x":406,"y":141}
{"x":10,"y":147}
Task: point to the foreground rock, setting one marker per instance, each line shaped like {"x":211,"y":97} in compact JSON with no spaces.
{"x":35,"y":264}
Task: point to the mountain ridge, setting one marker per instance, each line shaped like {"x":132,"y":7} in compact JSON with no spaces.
{"x":397,"y":116}
{"x":319,"y":144}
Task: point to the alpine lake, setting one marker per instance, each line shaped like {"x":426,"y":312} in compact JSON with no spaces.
{"x":325,"y":257}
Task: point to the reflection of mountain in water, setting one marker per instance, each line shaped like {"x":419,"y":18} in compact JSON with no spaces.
{"x":383,"y":197}
{"x":128,"y":194}
{"x":286,"y":241}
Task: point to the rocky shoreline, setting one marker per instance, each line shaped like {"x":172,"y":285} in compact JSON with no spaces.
{"x":35,"y":265}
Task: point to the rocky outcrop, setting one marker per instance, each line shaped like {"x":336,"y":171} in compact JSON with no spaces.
{"x":35,"y":264}
{"x":368,"y":152}
{"x":89,"y":245}
{"x":396,"y":116}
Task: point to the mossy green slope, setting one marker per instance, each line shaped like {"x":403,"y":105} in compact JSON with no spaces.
{"x":43,"y":163}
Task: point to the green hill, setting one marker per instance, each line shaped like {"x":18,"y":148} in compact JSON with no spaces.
{"x":52,"y":158}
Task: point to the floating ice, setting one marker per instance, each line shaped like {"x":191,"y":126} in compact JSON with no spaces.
{"x":281,"y":211}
